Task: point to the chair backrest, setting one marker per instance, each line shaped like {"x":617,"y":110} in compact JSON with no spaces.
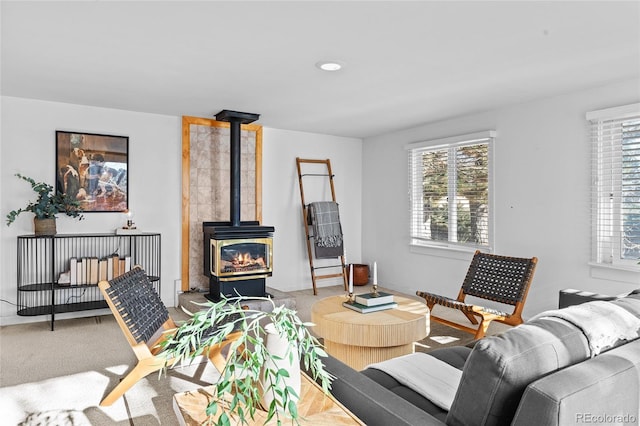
{"x":137,"y":303}
{"x":502,"y":279}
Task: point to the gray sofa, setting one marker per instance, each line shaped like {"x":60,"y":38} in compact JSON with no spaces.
{"x":543,"y":372}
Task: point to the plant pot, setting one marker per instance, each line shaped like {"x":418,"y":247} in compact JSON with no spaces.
{"x":360,"y":273}
{"x":279,"y":346}
{"x":44,"y":226}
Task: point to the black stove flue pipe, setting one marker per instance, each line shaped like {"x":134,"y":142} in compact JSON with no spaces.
{"x":235,"y":120}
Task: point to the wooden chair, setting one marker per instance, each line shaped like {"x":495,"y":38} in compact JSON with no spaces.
{"x":145,"y":322}
{"x":492,"y":277}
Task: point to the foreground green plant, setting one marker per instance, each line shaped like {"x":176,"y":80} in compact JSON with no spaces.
{"x":236,"y":392}
{"x":48,"y":204}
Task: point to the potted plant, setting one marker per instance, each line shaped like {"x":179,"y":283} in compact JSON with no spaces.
{"x":253,"y":369}
{"x":47,"y":206}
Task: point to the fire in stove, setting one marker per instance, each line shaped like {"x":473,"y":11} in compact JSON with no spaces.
{"x":242,"y":262}
{"x":244,"y":257}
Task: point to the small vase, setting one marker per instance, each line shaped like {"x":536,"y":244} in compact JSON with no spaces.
{"x":44,"y":226}
{"x":278,"y":346}
{"x":360,"y":273}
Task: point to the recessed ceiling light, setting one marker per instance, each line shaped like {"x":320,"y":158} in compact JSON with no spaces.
{"x":329,"y":65}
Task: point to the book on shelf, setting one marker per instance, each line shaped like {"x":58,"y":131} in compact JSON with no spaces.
{"x":102,"y":266}
{"x":115,"y":265}
{"x":363,"y":309}
{"x":109,"y":268}
{"x":93,"y":270}
{"x":64,"y":279}
{"x":121,"y":263}
{"x":87,"y":270}
{"x":78,"y":272}
{"x":84,"y":279}
{"x":73,"y":271}
{"x":368,"y":299}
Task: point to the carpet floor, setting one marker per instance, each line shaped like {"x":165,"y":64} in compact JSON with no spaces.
{"x":59,"y":378}
{"x":74,"y":399}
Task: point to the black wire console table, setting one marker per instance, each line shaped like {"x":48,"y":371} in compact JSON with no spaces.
{"x":60,"y":273}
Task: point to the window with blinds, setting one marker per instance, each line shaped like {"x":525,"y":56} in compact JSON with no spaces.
{"x":450,"y":191}
{"x":615,"y":142}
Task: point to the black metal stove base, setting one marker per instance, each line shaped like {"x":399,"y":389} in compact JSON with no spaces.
{"x":255,"y":287}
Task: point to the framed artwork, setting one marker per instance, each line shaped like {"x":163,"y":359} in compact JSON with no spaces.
{"x":93,"y":168}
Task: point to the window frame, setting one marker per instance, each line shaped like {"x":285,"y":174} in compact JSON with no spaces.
{"x":416,"y":196}
{"x":606,"y":201}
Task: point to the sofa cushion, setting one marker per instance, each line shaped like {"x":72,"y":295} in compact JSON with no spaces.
{"x":500,"y":367}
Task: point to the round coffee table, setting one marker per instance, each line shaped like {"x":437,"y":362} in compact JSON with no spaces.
{"x":362,"y":339}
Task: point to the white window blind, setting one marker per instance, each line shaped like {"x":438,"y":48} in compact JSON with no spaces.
{"x":615,"y":141}
{"x":450,"y":191}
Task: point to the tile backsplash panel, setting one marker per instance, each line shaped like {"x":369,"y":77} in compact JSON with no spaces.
{"x":209,"y":187}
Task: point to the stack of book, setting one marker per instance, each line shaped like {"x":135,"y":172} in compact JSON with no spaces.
{"x":91,"y":270}
{"x":367,"y":302}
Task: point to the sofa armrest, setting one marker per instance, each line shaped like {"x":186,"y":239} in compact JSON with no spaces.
{"x":607,"y":386}
{"x":372,"y":403}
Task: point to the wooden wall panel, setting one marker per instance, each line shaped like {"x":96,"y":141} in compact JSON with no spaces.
{"x":205,"y":185}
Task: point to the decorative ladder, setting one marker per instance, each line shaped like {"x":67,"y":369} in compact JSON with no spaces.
{"x":329,"y":174}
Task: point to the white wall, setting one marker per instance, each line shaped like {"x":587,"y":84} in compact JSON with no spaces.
{"x":28,"y":147}
{"x":542,"y":198}
{"x":282,"y":206}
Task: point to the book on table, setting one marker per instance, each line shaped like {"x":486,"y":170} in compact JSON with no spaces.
{"x":363,"y":309}
{"x":368,"y":299}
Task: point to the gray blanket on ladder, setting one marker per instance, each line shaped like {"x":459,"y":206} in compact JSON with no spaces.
{"x":327,"y":232}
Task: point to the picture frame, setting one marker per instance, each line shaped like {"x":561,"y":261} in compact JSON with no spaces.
{"x":94,"y":169}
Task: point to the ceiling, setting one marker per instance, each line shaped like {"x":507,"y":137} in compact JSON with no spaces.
{"x":405,"y":63}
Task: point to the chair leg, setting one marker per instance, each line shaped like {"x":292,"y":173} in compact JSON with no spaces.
{"x":140,"y":371}
{"x":482,"y":329}
{"x":216,"y":358}
{"x":215,"y":352}
{"x":430,"y":305}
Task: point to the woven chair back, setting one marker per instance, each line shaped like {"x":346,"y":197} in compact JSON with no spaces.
{"x":138,"y":304}
{"x":502,"y":279}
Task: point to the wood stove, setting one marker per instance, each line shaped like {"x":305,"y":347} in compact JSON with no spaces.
{"x":238,"y":256}
{"x":237,"y":259}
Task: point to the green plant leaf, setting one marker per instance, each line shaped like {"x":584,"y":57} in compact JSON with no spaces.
{"x":293,"y":409}
{"x":48,"y":204}
{"x":212,"y":408}
{"x":224,"y":420}
{"x":248,"y":354}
